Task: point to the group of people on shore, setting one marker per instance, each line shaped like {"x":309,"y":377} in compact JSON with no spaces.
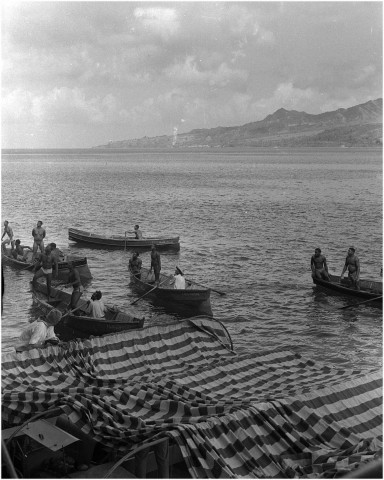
{"x":135,"y":264}
{"x":319,"y":267}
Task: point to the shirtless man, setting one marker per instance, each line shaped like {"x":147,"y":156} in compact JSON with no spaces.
{"x":155,"y":264}
{"x":38,"y":233}
{"x":7,"y":231}
{"x":319,"y":265}
{"x":58,"y":254}
{"x":46,"y":262}
{"x":134,"y":265}
{"x":352,"y":262}
{"x":18,"y":252}
{"x":137,"y":232}
{"x":75,"y":282}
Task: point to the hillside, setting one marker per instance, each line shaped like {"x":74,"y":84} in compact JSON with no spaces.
{"x":351,"y":127}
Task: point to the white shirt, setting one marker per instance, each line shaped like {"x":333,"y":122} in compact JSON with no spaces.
{"x":179,"y":282}
{"x":36,"y":333}
{"x":98,"y":308}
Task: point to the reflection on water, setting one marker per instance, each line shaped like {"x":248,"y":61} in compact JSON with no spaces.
{"x":248,"y":224}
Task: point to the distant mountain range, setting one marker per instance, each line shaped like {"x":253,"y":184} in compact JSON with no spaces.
{"x":359,"y":126}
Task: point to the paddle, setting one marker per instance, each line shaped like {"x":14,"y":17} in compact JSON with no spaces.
{"x":360,"y":303}
{"x":149,"y":291}
{"x":26,"y":268}
{"x":74,"y":310}
{"x":213,"y":290}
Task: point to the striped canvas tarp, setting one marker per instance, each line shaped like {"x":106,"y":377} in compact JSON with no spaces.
{"x":261,"y":415}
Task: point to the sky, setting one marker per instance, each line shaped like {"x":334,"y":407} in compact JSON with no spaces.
{"x":82,"y":74}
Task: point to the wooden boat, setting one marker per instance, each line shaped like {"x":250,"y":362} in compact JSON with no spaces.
{"x":194,"y":300}
{"x":81,"y":264}
{"x":122,"y":241}
{"x":82,"y":323}
{"x":369,"y":289}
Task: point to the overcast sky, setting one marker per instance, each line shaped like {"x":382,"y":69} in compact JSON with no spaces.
{"x":79,"y":74}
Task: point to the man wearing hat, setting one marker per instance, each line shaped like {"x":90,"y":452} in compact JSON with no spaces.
{"x":38,"y":332}
{"x":352,"y":262}
{"x":179,"y":279}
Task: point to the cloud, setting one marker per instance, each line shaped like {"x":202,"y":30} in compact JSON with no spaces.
{"x":367,"y":73}
{"x":60,"y":105}
{"x":141,"y":67}
{"x":158,"y":20}
{"x":190,"y":73}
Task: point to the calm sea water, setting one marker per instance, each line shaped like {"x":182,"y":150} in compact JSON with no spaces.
{"x":248,"y":223}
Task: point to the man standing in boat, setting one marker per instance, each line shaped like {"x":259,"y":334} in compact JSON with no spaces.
{"x":319,"y":265}
{"x":155,"y":264}
{"x":7,"y":231}
{"x":352,"y":262}
{"x":135,"y":265}
{"x":74,"y":281}
{"x":46,"y":262}
{"x":38,"y":234}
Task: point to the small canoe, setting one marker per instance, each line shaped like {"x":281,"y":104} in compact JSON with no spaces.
{"x":122,"y":241}
{"x":82,"y":323}
{"x":369,"y":289}
{"x":81,"y":264}
{"x":194,"y":300}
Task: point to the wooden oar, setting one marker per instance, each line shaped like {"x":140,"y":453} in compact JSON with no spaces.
{"x":149,"y":291}
{"x":26,"y":268}
{"x":213,"y":290}
{"x":360,"y":303}
{"x":74,"y":310}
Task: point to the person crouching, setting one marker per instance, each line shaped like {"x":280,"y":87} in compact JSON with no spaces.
{"x":40,"y":332}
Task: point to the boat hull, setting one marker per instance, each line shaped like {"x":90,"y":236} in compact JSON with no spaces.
{"x":369,"y":289}
{"x":80,"y":263}
{"x":120,"y":241}
{"x":191,"y":301}
{"x":82,"y":325}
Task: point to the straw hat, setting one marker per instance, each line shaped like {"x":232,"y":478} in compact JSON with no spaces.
{"x":53,"y":317}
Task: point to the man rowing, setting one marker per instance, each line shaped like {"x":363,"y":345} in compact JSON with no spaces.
{"x":352,"y":263}
{"x":138,"y":233}
{"x":179,"y":282}
{"x":319,"y":265}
